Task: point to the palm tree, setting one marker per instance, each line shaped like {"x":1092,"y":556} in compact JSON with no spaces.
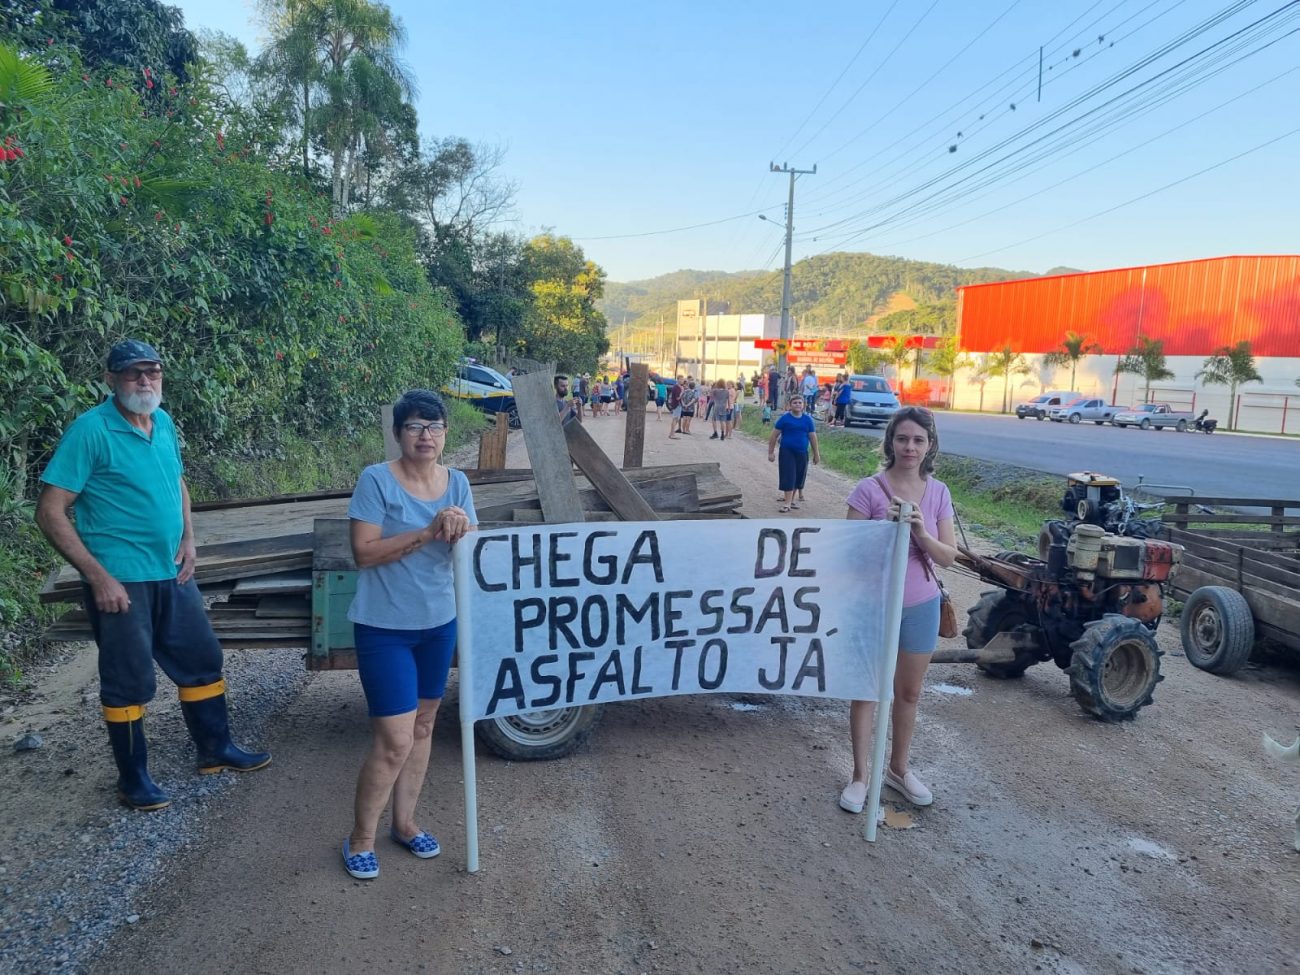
{"x":897,"y":352}
{"x":1147,"y":359}
{"x":344,"y":54}
{"x":1006,"y":363}
{"x":1073,"y":348}
{"x":1231,"y":366}
{"x":947,"y":360}
{"x":980,"y":377}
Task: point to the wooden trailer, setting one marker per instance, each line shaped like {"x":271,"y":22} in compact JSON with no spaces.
{"x":1239,"y":579}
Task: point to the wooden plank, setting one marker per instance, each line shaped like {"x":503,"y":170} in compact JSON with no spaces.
{"x":278,"y":583}
{"x":1182,"y":503}
{"x":548,"y":452}
{"x":333,"y":545}
{"x":245,"y":503}
{"x":634,"y":432}
{"x":616,"y":489}
{"x":1239,"y":519}
{"x":1243,"y":579}
{"x":392,"y":449}
{"x":297,"y":607}
{"x":492,"y":445}
{"x":1273,"y":565}
{"x":533,"y":516}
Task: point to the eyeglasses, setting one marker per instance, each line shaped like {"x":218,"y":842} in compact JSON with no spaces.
{"x":420,"y":429}
{"x":134,"y":374}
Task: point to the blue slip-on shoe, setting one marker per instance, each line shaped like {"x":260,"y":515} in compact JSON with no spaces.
{"x":362,"y":866}
{"x":422,"y":844}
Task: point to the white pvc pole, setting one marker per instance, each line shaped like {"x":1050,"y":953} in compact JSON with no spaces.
{"x":893,"y":620}
{"x":460,"y":555}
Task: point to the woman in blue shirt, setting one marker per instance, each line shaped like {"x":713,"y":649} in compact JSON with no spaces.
{"x":405,"y":516}
{"x":797,"y":433}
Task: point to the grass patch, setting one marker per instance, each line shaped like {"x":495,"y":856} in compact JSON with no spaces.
{"x":1005,"y":504}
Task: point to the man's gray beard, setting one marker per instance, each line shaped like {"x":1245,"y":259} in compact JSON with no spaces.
{"x":141,"y":404}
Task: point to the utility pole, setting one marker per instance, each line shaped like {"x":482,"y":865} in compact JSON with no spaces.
{"x":789,"y":241}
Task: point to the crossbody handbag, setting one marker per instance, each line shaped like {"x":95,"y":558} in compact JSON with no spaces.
{"x":947,"y":611}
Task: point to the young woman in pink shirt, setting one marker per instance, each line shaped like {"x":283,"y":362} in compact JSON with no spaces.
{"x":909,"y":448}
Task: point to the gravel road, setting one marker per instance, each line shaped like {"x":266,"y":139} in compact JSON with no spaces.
{"x":692,"y":835}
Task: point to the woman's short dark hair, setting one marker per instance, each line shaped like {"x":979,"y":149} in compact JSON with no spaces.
{"x":922,"y":418}
{"x":419,"y":404}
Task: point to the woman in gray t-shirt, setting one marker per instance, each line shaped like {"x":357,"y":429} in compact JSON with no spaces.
{"x":405,"y":516}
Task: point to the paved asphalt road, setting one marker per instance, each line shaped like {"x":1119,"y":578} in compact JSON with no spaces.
{"x":1220,"y":465}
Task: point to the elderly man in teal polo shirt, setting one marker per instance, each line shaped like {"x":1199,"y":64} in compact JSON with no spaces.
{"x":118,"y":467}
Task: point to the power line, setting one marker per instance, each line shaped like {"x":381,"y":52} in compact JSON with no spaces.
{"x":1008,"y":94}
{"x":678,"y":230}
{"x":1136,"y":199}
{"x":1074,"y":103}
{"x":1172,"y":90}
{"x":1096,"y":166}
{"x":826,"y":94}
{"x":864,"y":84}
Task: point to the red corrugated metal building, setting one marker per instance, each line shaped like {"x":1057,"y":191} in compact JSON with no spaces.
{"x":1195,"y":307}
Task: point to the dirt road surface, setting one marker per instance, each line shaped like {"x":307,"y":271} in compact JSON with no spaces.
{"x":702,"y":835}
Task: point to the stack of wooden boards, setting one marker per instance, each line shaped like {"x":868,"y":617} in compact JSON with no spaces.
{"x":255,"y":557}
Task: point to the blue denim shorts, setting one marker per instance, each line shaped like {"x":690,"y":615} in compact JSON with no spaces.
{"x":400,"y":668}
{"x":919,"y":632}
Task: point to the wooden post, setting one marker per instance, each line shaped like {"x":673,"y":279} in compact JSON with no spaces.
{"x":492,"y":445}
{"x":634,"y":436}
{"x":608,"y":480}
{"x":548,"y":453}
{"x":392,"y":450}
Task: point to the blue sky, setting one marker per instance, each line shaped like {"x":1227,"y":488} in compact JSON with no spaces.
{"x":629,"y":118}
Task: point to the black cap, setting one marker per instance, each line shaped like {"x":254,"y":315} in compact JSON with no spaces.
{"x":130,"y":351}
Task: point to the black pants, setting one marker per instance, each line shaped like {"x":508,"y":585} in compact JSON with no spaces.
{"x":166,"y":622}
{"x":792,"y":467}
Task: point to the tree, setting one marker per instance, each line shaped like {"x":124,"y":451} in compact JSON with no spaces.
{"x":947,"y":360}
{"x":1006,"y":363}
{"x":563,"y":323}
{"x":1073,"y":348}
{"x":1231,"y":366}
{"x":345,"y":52}
{"x":980,"y":377}
{"x":896,"y":352}
{"x":939,"y":318}
{"x":131,"y":34}
{"x":1147,"y":359}
{"x":863,"y":360}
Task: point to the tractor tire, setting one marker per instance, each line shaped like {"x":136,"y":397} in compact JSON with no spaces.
{"x":1218,"y":630}
{"x":1144,"y":528}
{"x":996,"y":612}
{"x":1114,"y":668}
{"x":538,"y":735}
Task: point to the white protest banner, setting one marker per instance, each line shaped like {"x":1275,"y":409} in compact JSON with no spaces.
{"x":552,"y":616}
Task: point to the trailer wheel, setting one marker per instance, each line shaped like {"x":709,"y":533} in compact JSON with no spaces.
{"x":1114,"y":668}
{"x":997,"y":612}
{"x":538,"y":735}
{"x":1218,"y":630}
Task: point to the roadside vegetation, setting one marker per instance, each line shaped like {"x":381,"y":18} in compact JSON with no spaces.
{"x":274,"y":225}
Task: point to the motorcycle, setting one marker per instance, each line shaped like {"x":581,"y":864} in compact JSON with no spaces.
{"x":1203,"y":424}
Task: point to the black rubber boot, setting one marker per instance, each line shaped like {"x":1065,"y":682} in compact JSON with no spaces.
{"x":209,"y":726}
{"x":134,"y":786}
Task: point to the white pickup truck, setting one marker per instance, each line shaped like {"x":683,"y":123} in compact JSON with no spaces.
{"x":1150,"y":415}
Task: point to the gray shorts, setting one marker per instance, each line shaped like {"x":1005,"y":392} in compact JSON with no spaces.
{"x":919,"y":632}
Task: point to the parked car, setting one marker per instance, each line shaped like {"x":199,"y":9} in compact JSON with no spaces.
{"x":1150,"y":415}
{"x":1039,"y":406}
{"x":485,"y":388}
{"x":872,"y":401}
{"x":1096,"y":410}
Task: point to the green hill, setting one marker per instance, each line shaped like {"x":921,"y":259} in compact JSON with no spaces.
{"x":837,"y":293}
